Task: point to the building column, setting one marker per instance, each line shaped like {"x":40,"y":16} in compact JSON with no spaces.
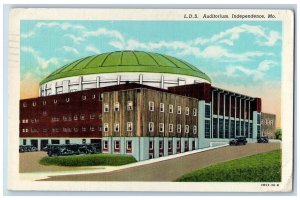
{"x":235,"y":100}
{"x":211,"y":116}
{"x":249,"y":103}
{"x":224,"y":110}
{"x":118,"y":79}
{"x":80,"y":83}
{"x":240,"y":117}
{"x":53,"y":88}
{"x":98,"y":81}
{"x":141,"y":78}
{"x":162,"y":82}
{"x":229,"y":117}
{"x":201,"y":123}
{"x":218,"y":113}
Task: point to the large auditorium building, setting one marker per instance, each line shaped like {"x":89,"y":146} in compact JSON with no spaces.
{"x":131,"y":102}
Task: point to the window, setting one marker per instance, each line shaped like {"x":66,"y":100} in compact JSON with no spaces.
{"x":117,"y":145}
{"x":207,"y":111}
{"x":100,"y":128}
{"x":151,"y":145}
{"x":151,"y":106}
{"x":105,"y":145}
{"x":106,"y":107}
{"x":178,"y":128}
{"x":226,"y":128}
{"x":178,"y":144}
{"x":83,"y":97}
{"x":128,"y":145}
{"x":92,"y":116}
{"x":161,"y":144}
{"x":65,"y":118}
{"x":24,"y":104}
{"x":151,"y":126}
{"x":93,"y":96}
{"x":24,"y":141}
{"x":44,"y":113}
{"x":83,"y":129}
{"x":92,"y":128}
{"x":34,"y":104}
{"x":171,"y":127}
{"x":187,"y":111}
{"x":44,"y":103}
{"x":55,"y":101}
{"x":117,"y":107}
{"x":195,"y":112}
{"x":169,"y":144}
{"x":83,"y":141}
{"x":129,"y":105}
{"x":193,"y":145}
{"x":186,"y":129}
{"x":194,"y":129}
{"x":67,"y":99}
{"x":207,"y":129}
{"x":75,"y":129}
{"x":67,"y":141}
{"x":100,"y":116}
{"x":105,"y":127}
{"x":179,"y":110}
{"x":116,"y":127}
{"x":162,"y":107}
{"x":75,"y":117}
{"x":186,"y":144}
{"x":129,"y":126}
{"x":82,"y":117}
{"x":170,"y":108}
{"x":161,"y":127}
{"x":232,"y":129}
{"x":221,"y":128}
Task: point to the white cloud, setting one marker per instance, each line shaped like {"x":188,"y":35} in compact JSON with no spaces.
{"x":27,"y":35}
{"x":41,"y":62}
{"x":75,"y":39}
{"x":70,"y":49}
{"x":63,"y":26}
{"x":272,"y":38}
{"x":92,"y":49}
{"x":105,"y":32}
{"x":257,"y":73}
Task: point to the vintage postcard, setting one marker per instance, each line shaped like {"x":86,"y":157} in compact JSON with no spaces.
{"x":151,"y":100}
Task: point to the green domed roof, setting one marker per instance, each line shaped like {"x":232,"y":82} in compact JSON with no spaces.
{"x":126,"y":61}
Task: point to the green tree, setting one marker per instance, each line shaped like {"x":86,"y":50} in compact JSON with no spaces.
{"x":278,"y":134}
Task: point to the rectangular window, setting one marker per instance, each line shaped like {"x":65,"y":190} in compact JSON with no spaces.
{"x":129,"y":126}
{"x":105,"y":145}
{"x":171,"y":127}
{"x":75,"y":117}
{"x":161,"y":127}
{"x":186,"y":145}
{"x":92,"y":116}
{"x":178,"y":144}
{"x":221,"y":128}
{"x":116,"y":127}
{"x":242,"y":128}
{"x":170,"y":108}
{"x":75,"y":129}
{"x":83,"y":97}
{"x":178,"y":128}
{"x":226,"y":128}
{"x":151,"y":106}
{"x":105,"y":127}
{"x":129,"y":105}
{"x":194,"y":129}
{"x":232,"y":129}
{"x":238,"y":128}
{"x":24,"y":141}
{"x":151,"y":126}
{"x":215,"y":125}
{"x":195,"y":112}
{"x":65,"y":118}
{"x":169,"y":144}
{"x":106,"y":107}
{"x":83,"y":141}
{"x":179,"y":110}
{"x":193,"y":145}
{"x":83,"y":129}
{"x":128,"y":145}
{"x":251,"y":130}
{"x":92,"y":128}
{"x":246,"y":129}
{"x":117,"y":107}
{"x":162,"y":107}
{"x":82,"y":117}
{"x":24,"y":104}
{"x":34,"y":104}
{"x":186,"y":129}
{"x":258,"y":118}
{"x":207,"y":111}
{"x":161,"y":144}
{"x":151,"y":146}
{"x":187,"y":110}
{"x":207,"y":128}
{"x":100,"y":128}
{"x":117,"y":145}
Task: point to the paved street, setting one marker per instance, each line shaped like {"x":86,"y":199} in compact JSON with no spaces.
{"x":170,"y":170}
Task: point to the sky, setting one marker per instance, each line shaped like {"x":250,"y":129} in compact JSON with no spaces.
{"x":241,"y":56}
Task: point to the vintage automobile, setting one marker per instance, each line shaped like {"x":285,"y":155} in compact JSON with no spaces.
{"x":238,"y":141}
{"x":70,"y":149}
{"x":27,"y":148}
{"x":262,"y":139}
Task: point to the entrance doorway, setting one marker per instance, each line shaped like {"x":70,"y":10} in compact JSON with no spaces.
{"x":44,"y":144}
{"x":34,"y":143}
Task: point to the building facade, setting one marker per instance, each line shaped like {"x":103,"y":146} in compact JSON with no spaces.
{"x":174,"y":110}
{"x":268,"y":124}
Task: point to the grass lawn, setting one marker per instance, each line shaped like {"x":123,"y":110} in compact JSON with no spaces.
{"x":264,"y":167}
{"x":88,"y":160}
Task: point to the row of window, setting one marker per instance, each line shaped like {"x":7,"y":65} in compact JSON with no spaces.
{"x":267,"y":122}
{"x":129,"y":145}
{"x":151,"y":108}
{"x":67,"y":99}
{"x":116,"y":127}
{"x":64,"y":129}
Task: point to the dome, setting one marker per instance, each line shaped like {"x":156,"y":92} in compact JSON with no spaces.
{"x":126,"y":61}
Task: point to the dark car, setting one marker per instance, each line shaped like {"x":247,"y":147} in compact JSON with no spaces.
{"x":62,"y":149}
{"x":262,"y":139}
{"x":27,"y":148}
{"x":238,"y":141}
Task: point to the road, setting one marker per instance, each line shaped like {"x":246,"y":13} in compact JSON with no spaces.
{"x":170,"y":170}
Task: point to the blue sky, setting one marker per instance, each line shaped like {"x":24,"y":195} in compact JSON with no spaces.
{"x":237,"y":55}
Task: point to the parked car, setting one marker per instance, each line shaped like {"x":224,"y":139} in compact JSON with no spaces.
{"x":262,"y":139}
{"x":238,"y":141}
{"x":27,"y":148}
{"x":70,"y":149}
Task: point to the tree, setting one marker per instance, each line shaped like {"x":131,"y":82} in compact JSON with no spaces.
{"x":278,"y":134}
